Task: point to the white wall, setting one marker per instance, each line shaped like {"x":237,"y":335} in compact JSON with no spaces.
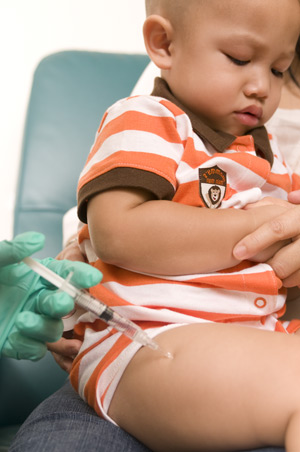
{"x":31,"y":29}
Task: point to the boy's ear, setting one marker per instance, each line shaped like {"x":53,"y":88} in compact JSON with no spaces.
{"x":158,"y":34}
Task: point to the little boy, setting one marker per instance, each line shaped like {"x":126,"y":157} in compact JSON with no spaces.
{"x":165,"y":193}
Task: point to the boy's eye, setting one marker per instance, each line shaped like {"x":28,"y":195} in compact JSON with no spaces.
{"x":238,"y":62}
{"x":278,"y":74}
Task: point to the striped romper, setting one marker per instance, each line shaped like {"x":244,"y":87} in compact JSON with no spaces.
{"x":154,"y":143}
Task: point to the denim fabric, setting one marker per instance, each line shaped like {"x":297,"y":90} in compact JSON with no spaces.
{"x":64,"y":423}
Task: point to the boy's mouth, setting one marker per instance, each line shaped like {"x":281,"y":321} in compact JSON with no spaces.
{"x":249,"y":116}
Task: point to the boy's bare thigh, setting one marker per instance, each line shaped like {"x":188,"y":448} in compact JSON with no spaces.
{"x":228,"y":387}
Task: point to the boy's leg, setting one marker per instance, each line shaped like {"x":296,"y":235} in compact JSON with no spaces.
{"x":228,"y":387}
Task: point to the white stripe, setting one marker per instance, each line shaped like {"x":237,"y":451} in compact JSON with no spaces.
{"x":135,"y":141}
{"x":240,"y":200}
{"x":193,"y":298}
{"x":275,"y":192}
{"x":278,"y":167}
{"x":86,"y":247}
{"x":90,"y":361}
{"x":148,"y":105}
{"x":185,"y":129}
{"x":239,"y":177}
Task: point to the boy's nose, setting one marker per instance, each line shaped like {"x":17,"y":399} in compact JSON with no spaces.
{"x":258,"y":85}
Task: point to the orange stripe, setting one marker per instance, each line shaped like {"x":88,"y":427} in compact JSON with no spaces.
{"x":280,"y":180}
{"x":192,"y":156}
{"x":140,"y":160}
{"x":108,"y":297}
{"x":90,"y":391}
{"x":245,"y":142}
{"x":239,"y":267}
{"x":264,"y":283}
{"x":257,"y":165}
{"x":279,"y":328}
{"x":83,"y":234}
{"x":128,"y":278}
{"x":176,"y":111}
{"x":215,"y":316}
{"x":112,"y":354}
{"x":79,"y":329}
{"x":103,"y":397}
{"x":189,"y":193}
{"x":165,"y":127}
{"x":293,"y":326}
{"x":74,"y":374}
{"x":295,"y":181}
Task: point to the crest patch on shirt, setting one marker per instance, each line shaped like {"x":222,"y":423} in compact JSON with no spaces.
{"x":212,"y":183}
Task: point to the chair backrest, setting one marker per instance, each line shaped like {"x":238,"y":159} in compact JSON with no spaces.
{"x":71,"y":90}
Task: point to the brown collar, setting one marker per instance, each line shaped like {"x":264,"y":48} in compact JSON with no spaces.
{"x":219,"y":140}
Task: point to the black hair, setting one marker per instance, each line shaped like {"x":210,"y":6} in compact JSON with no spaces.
{"x":295,"y":64}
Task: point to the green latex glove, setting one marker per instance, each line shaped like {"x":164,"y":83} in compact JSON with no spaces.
{"x":30,"y":307}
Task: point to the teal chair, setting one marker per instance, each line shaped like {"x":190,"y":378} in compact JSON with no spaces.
{"x":71,"y":90}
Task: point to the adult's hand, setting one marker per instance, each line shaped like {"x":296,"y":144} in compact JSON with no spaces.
{"x":30,"y":307}
{"x":294,"y":197}
{"x":65,"y":350}
{"x":286,"y":261}
{"x":71,"y":251}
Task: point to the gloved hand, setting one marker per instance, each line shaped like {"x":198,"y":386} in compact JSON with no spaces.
{"x":30,"y":307}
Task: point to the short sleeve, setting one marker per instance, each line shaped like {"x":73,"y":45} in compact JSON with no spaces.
{"x":137,"y":146}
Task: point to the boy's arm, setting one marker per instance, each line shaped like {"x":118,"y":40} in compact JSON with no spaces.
{"x":131,"y":230}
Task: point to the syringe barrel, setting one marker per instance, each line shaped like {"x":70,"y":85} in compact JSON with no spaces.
{"x":124,"y":325}
{"x":112,"y":318}
{"x":90,"y":303}
{"x":105,"y":313}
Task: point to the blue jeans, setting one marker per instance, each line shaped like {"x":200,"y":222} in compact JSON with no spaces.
{"x":64,"y":423}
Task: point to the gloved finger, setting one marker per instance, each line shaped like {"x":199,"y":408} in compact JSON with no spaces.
{"x":38,"y":327}
{"x":54,"y":304}
{"x":84,"y":274}
{"x":21,"y":246}
{"x":18,"y":346}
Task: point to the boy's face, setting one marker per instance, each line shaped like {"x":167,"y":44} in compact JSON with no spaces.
{"x":228,"y":67}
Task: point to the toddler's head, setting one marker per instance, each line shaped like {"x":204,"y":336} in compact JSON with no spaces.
{"x":224,"y":60}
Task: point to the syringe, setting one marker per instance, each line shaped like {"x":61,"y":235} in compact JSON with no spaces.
{"x":86,"y":301}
